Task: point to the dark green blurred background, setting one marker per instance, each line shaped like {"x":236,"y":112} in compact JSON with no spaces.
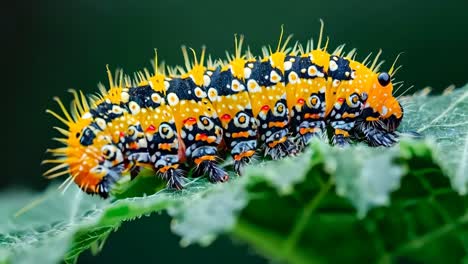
{"x":51,"y":46}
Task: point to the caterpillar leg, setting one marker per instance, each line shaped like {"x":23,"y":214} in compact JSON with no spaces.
{"x":242,"y":153}
{"x":377,"y":136}
{"x":174,"y":177}
{"x":308,"y":130}
{"x":341,"y":138}
{"x":204,"y":158}
{"x":215,"y":173}
{"x":280,"y":145}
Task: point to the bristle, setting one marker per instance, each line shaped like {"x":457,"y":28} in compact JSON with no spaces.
{"x":74,"y":111}
{"x":65,"y":182}
{"x":84,"y":102}
{"x":109,"y":76}
{"x":121,"y":77}
{"x":326,"y":44}
{"x":405,"y":91}
{"x":393,"y":70}
{"x":61,"y":140}
{"x":172,"y":71}
{"x":398,"y":86}
{"x":50,"y":175}
{"x":238,"y":46}
{"x":93,"y":99}
{"x":248,"y":54}
{"x":338,"y":50}
{"x":210,"y":63}
{"x":147,"y":74}
{"x":186,"y":58}
{"x":376,"y":59}
{"x":202,"y":56}
{"x":178,"y":69}
{"x":319,"y":42}
{"x":301,"y":49}
{"x":282,"y":47}
{"x":61,"y":119}
{"x":156,"y":65}
{"x":62,"y":131}
{"x":377,"y":67}
{"x":265,"y":52}
{"x":76,"y":102}
{"x":128,"y":81}
{"x":102,"y":89}
{"x":351,"y":54}
{"x":229,"y":56}
{"x":57,"y":150}
{"x":295,"y":49}
{"x":365,"y":60}
{"x":64,"y":110}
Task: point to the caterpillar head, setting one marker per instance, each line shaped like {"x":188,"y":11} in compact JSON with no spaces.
{"x":380,"y":104}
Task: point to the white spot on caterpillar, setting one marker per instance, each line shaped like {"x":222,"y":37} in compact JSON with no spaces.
{"x":101,"y":123}
{"x":384,"y":110}
{"x":206,"y":80}
{"x":333,"y":66}
{"x":172,"y":99}
{"x":124,"y":97}
{"x":312,"y":71}
{"x":134,"y":107}
{"x":156,"y":98}
{"x":236,"y":86}
{"x":247,"y":72}
{"x":200,"y":93}
{"x":87,"y":115}
{"x":253,"y":86}
{"x":116,"y":109}
{"x":336,"y":83}
{"x":287,"y":65}
{"x":212,"y":94}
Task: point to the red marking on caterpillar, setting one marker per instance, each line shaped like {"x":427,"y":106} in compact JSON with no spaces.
{"x":274,"y":103}
{"x":151,"y":128}
{"x":226,"y":117}
{"x":265,"y":108}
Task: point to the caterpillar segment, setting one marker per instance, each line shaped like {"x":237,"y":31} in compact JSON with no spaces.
{"x":267,"y":93}
{"x":228,"y":93}
{"x":306,"y":89}
{"x":276,"y":103}
{"x":196,"y":119}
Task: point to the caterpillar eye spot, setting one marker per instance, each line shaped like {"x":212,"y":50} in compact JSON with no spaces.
{"x":384,"y":79}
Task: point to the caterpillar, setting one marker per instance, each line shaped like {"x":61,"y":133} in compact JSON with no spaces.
{"x":272,"y":104}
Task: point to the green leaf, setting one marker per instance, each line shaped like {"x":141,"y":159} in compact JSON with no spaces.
{"x":357,"y":204}
{"x":445,"y":120}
